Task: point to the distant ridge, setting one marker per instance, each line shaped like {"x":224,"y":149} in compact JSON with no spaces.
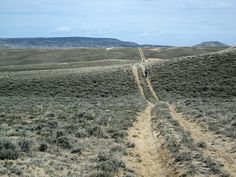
{"x":68,"y":42}
{"x":211,"y":44}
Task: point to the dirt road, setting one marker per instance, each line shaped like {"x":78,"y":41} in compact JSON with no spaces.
{"x":143,"y":158}
{"x":146,"y":158}
{"x":215,"y":148}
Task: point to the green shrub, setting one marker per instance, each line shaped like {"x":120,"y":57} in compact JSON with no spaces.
{"x":64,"y":142}
{"x":101,"y":174}
{"x":172,"y":52}
{"x":25,"y":145}
{"x":97,"y":131}
{"x":185,"y":152}
{"x":81,"y":133}
{"x":106,"y":162}
{"x":111,"y":165}
{"x":8,"y":150}
{"x":43,"y":147}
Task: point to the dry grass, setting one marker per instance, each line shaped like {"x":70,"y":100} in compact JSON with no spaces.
{"x":66,"y":122}
{"x":65,"y":136}
{"x":202,"y":87}
{"x":173,"y":52}
{"x":44,"y":56}
{"x":71,"y":119}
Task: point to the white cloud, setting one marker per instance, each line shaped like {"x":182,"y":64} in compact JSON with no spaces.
{"x":63,"y":29}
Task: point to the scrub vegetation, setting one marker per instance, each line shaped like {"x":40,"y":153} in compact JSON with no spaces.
{"x":175,"y":52}
{"x":111,"y":112}
{"x":203,"y":87}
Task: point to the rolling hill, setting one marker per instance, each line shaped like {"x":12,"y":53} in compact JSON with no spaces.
{"x":46,"y":56}
{"x":67,"y":42}
{"x":196,"y":112}
{"x":115,"y":113}
{"x":211,"y":44}
{"x":174,"y":52}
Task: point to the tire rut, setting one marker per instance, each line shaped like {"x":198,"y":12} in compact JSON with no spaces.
{"x":148,"y":81}
{"x":144,"y":158}
{"x":215,"y":147}
{"x":138,"y":82}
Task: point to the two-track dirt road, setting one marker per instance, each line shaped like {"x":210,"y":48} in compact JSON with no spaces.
{"x":144,"y":155}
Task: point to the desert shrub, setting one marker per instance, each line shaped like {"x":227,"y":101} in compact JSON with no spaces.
{"x":116,"y":133}
{"x":96,"y":131}
{"x":106,"y":162}
{"x":76,"y":151}
{"x":172,"y":52}
{"x":16,"y":170}
{"x":8,"y":150}
{"x":202,"y":87}
{"x":101,"y":174}
{"x":208,"y":76}
{"x":130,"y":145}
{"x":80,"y":84}
{"x":182,"y":147}
{"x":52,"y":124}
{"x":117,"y":148}
{"x":25,"y":145}
{"x":51,"y":58}
{"x":11,"y":169}
{"x":111,"y":165}
{"x":50,"y":114}
{"x":103,"y":156}
{"x":81,"y":133}
{"x":64,"y":142}
{"x":213,"y":166}
{"x":215,"y":114}
{"x":43,"y":147}
{"x":202,"y":144}
{"x":80,"y":116}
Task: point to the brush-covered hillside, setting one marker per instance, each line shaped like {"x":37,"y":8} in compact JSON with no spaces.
{"x":208,"y":75}
{"x":174,"y":52}
{"x":48,"y":59}
{"x":211,"y":44}
{"x":202,"y":86}
{"x":66,"y":122}
{"x":67,"y":42}
{"x":195,"y":117}
{"x":63,"y":42}
{"x":47,"y":56}
{"x":118,"y":113}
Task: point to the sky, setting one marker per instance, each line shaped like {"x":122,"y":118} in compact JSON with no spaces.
{"x":166,"y":22}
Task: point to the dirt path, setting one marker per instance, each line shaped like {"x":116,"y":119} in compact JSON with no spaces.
{"x":149,"y":84}
{"x":153,"y":59}
{"x":137,"y":79}
{"x":151,"y":88}
{"x":143,"y":158}
{"x":216,"y":148}
{"x":146,"y":158}
{"x":141,"y":54}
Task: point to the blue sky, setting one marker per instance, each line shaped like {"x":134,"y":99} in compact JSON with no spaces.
{"x":169,"y":22}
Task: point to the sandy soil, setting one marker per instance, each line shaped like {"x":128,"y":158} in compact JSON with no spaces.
{"x":144,"y":158}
